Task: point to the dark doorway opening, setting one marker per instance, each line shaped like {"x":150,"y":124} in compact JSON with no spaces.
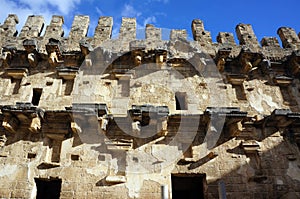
{"x":37,"y":93}
{"x":48,"y":188}
{"x":189,"y":186}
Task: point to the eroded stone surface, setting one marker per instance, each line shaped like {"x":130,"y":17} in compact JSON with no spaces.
{"x":118,"y":118}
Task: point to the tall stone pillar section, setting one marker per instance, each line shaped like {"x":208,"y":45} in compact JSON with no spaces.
{"x":55,"y":30}
{"x":153,"y":33}
{"x":128,"y":29}
{"x":289,"y":38}
{"x":247,"y":37}
{"x":199,"y":34}
{"x":8,"y":29}
{"x":226,"y":38}
{"x":78,"y":32}
{"x":33,"y":27}
{"x":176,"y":34}
{"x":103,"y":30}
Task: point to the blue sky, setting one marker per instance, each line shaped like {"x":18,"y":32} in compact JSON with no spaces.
{"x":218,"y":16}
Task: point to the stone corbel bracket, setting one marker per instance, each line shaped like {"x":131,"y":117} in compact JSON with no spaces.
{"x":85,"y":114}
{"x":294,"y":63}
{"x":249,"y":60}
{"x":282,"y":118}
{"x":7,"y":55}
{"x":231,"y":116}
{"x":67,"y":73}
{"x":150,"y":115}
{"x":24,"y":113}
{"x":30,"y":46}
{"x":54,"y":52}
{"x":221,"y":57}
{"x":16,"y":73}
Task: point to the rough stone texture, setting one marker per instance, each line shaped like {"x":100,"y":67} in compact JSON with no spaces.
{"x":119,"y":118}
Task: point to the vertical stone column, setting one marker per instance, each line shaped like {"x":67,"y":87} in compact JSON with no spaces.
{"x":103,"y":30}
{"x":8,"y":29}
{"x":289,"y":38}
{"x":128,"y":29}
{"x":153,"y":33}
{"x":199,"y":34}
{"x":78,"y":31}
{"x":33,"y":26}
{"x":246,"y":36}
{"x":176,"y":34}
{"x":226,"y":38}
{"x":55,"y":30}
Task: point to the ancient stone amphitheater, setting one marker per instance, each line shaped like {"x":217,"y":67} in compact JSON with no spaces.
{"x":96,"y":117}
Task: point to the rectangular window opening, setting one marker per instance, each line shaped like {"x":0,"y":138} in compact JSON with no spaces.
{"x":37,"y":93}
{"x":75,"y":157}
{"x":181,"y":100}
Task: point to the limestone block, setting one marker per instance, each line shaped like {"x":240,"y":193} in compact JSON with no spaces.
{"x":33,"y":26}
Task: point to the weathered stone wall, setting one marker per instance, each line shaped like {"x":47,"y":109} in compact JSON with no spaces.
{"x":119,"y":118}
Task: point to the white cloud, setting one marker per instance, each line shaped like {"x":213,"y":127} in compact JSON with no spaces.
{"x":63,"y":6}
{"x":129,"y":11}
{"x":46,"y":8}
{"x":149,"y":20}
{"x":164,"y":1}
{"x":99,"y":11}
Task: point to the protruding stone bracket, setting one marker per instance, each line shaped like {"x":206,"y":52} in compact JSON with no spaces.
{"x":137,"y":57}
{"x":88,"y":114}
{"x":23,"y":113}
{"x":149,"y":115}
{"x":294,"y":63}
{"x":16,"y":73}
{"x":236,"y":79}
{"x":85,"y":47}
{"x":54,"y":52}
{"x":282,"y":118}
{"x":10,"y":123}
{"x":3,"y":140}
{"x":30,"y":46}
{"x":249,"y":60}
{"x":250,"y":147}
{"x":119,"y":144}
{"x":283,"y":81}
{"x":67,"y":73}
{"x":232,"y":116}
{"x":8,"y":53}
{"x":221,"y":57}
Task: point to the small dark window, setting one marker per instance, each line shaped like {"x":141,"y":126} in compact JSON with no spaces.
{"x":37,"y":92}
{"x":180,"y":98}
{"x":75,"y":157}
{"x":31,"y":155}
